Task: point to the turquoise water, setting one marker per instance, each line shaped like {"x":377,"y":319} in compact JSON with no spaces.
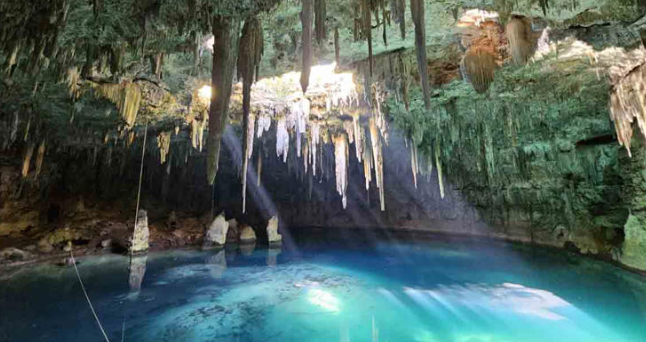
{"x":374,"y":289}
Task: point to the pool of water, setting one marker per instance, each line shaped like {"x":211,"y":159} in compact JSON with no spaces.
{"x":350,"y":288}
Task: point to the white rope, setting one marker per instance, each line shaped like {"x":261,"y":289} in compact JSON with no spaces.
{"x":141,"y":173}
{"x":88,"y":298}
{"x":141,"y":176}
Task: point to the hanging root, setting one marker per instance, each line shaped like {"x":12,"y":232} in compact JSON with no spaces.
{"x":479,"y":65}
{"x":29,"y":152}
{"x":519,"y":36}
{"x":319,"y":21}
{"x":306,"y":22}
{"x":417,"y":12}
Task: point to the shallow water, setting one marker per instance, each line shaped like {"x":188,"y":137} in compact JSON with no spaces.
{"x":323,"y":289}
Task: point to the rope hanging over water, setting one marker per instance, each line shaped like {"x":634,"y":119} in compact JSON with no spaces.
{"x":89,"y":302}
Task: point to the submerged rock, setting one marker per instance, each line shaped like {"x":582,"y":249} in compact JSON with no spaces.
{"x":216,"y":235}
{"x":248,"y":247}
{"x":141,"y":234}
{"x":272,"y":231}
{"x":247,"y":235}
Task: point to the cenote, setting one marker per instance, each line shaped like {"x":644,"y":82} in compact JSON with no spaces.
{"x":329,"y":289}
{"x":322,"y":170}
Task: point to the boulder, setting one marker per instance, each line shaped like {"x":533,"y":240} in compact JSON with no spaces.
{"x":216,"y":235}
{"x":272,"y":231}
{"x":13,"y":254}
{"x":247,"y":234}
{"x":139,"y":242}
{"x":44,"y":246}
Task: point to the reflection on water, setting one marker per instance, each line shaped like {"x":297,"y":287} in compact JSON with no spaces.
{"x":385,"y":292}
{"x":137,"y":270}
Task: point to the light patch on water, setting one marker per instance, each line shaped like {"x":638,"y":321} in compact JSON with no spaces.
{"x":324,"y":299}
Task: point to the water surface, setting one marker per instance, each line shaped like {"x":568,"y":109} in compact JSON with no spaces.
{"x":351,"y":287}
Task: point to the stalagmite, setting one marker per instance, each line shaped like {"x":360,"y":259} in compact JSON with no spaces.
{"x":163,"y":142}
{"x":139,"y":242}
{"x":225,"y":39}
{"x":319,"y":21}
{"x":417,"y":12}
{"x":519,"y":35}
{"x":39,"y":157}
{"x":480,"y":65}
{"x":377,"y":155}
{"x":272,"y":231}
{"x":29,"y":152}
{"x":216,"y":234}
{"x":341,"y":166}
{"x":306,"y":22}
{"x":282,"y":139}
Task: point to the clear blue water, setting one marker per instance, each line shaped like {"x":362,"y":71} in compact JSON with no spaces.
{"x":330,"y":290}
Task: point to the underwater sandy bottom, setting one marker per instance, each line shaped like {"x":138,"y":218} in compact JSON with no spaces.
{"x":329,"y":291}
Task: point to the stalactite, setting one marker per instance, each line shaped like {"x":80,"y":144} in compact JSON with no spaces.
{"x":377,"y":155}
{"x":126,"y":96}
{"x":163,"y":142}
{"x":480,"y":66}
{"x":367,"y":161}
{"x":306,"y":21}
{"x":417,"y":12}
{"x":249,"y":53}
{"x":282,"y":139}
{"x":319,"y":21}
{"x":341,"y":166}
{"x":259,"y":166}
{"x":438,"y":166}
{"x":40,"y":157}
{"x":627,"y":105}
{"x":225,"y":39}
{"x":314,"y":141}
{"x":358,"y":137}
{"x":519,"y":35}
{"x":413,"y":161}
{"x":300,"y":112}
{"x":72,"y":79}
{"x":29,"y":152}
{"x":263,"y":125}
